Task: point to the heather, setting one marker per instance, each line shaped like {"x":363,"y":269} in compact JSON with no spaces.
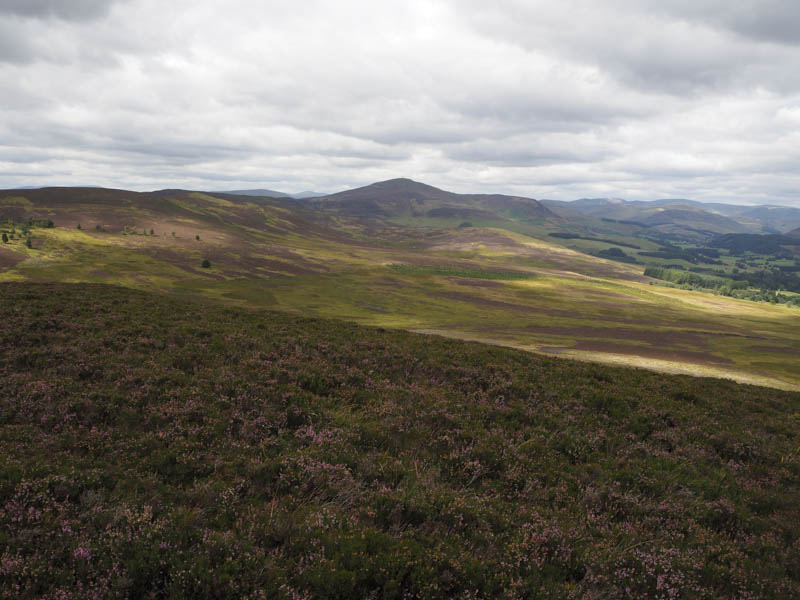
{"x":499,"y":281}
{"x":152,"y":448}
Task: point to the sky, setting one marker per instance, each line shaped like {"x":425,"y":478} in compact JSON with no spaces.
{"x":639,"y":99}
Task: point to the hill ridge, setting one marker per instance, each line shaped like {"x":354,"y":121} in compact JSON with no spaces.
{"x":404,"y":197}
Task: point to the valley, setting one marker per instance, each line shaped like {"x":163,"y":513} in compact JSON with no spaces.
{"x":404,"y":255}
{"x":217,"y":395}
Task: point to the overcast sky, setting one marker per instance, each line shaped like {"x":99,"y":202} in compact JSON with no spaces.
{"x":639,"y":99}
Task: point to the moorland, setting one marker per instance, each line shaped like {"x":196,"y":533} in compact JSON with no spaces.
{"x":635,"y":288}
{"x":156,"y":448}
{"x":222,"y":395}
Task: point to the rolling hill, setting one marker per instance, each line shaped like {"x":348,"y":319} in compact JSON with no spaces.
{"x":289,"y":422}
{"x":490,"y":283}
{"x":773,"y":219}
{"x":407,"y":198}
{"x":685,"y":219}
{"x":677,"y":219}
{"x":273,"y":194}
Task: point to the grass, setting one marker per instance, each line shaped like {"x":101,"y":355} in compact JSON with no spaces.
{"x":456,"y":271}
{"x":157,"y":448}
{"x":487,"y":284}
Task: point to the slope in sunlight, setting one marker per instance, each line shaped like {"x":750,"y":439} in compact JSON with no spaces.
{"x":490,"y":283}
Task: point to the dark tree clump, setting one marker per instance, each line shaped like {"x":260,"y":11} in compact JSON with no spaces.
{"x":206,"y":264}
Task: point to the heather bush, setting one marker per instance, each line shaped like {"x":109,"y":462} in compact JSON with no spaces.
{"x":150,"y":448}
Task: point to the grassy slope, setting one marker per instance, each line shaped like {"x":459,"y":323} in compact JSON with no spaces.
{"x":153,"y":447}
{"x":272,"y":254}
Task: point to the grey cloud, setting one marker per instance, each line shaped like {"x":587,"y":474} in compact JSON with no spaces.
{"x":678,"y":47}
{"x":579,"y":97}
{"x":528,"y":151}
{"x":71,"y":10}
{"x":765,"y":20}
{"x":15,"y":46}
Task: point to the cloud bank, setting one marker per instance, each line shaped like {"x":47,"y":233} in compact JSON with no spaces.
{"x":632,"y":98}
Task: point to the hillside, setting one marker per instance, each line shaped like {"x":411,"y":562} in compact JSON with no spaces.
{"x":157,"y":448}
{"x":257,"y":192}
{"x":676,"y":219}
{"x":490,"y":284}
{"x":774,"y":219}
{"x":272,"y":194}
{"x":407,"y":198}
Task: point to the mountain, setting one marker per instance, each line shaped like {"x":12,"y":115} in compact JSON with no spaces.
{"x":590,"y":205}
{"x":407,"y":198}
{"x":773,"y":219}
{"x":273,"y":194}
{"x":256,"y":193}
{"x":686,"y":216}
{"x":491,"y":282}
{"x":672,"y":219}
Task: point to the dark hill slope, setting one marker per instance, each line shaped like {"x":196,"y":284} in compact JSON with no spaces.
{"x":676,"y":218}
{"x":776,"y":218}
{"x":404,"y":197}
{"x":271,"y":193}
{"x":256,"y":192}
{"x":153,"y":448}
{"x":689,"y":217}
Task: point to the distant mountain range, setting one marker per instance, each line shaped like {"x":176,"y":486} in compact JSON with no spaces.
{"x":273,"y":194}
{"x":666,"y":219}
{"x":681,"y":216}
{"x":675,"y":217}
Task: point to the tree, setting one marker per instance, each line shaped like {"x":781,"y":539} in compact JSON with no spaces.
{"x":151,"y":231}
{"x":206,"y":264}
{"x":79,"y":226}
{"x":28,"y":243}
{"x":197,"y":237}
{"x":5,"y":238}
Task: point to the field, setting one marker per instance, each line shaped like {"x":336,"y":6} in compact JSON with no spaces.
{"x":482,"y":283}
{"x":154,"y":447}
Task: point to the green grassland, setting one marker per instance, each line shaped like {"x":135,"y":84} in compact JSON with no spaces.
{"x":452,"y":281}
{"x":153,"y":447}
